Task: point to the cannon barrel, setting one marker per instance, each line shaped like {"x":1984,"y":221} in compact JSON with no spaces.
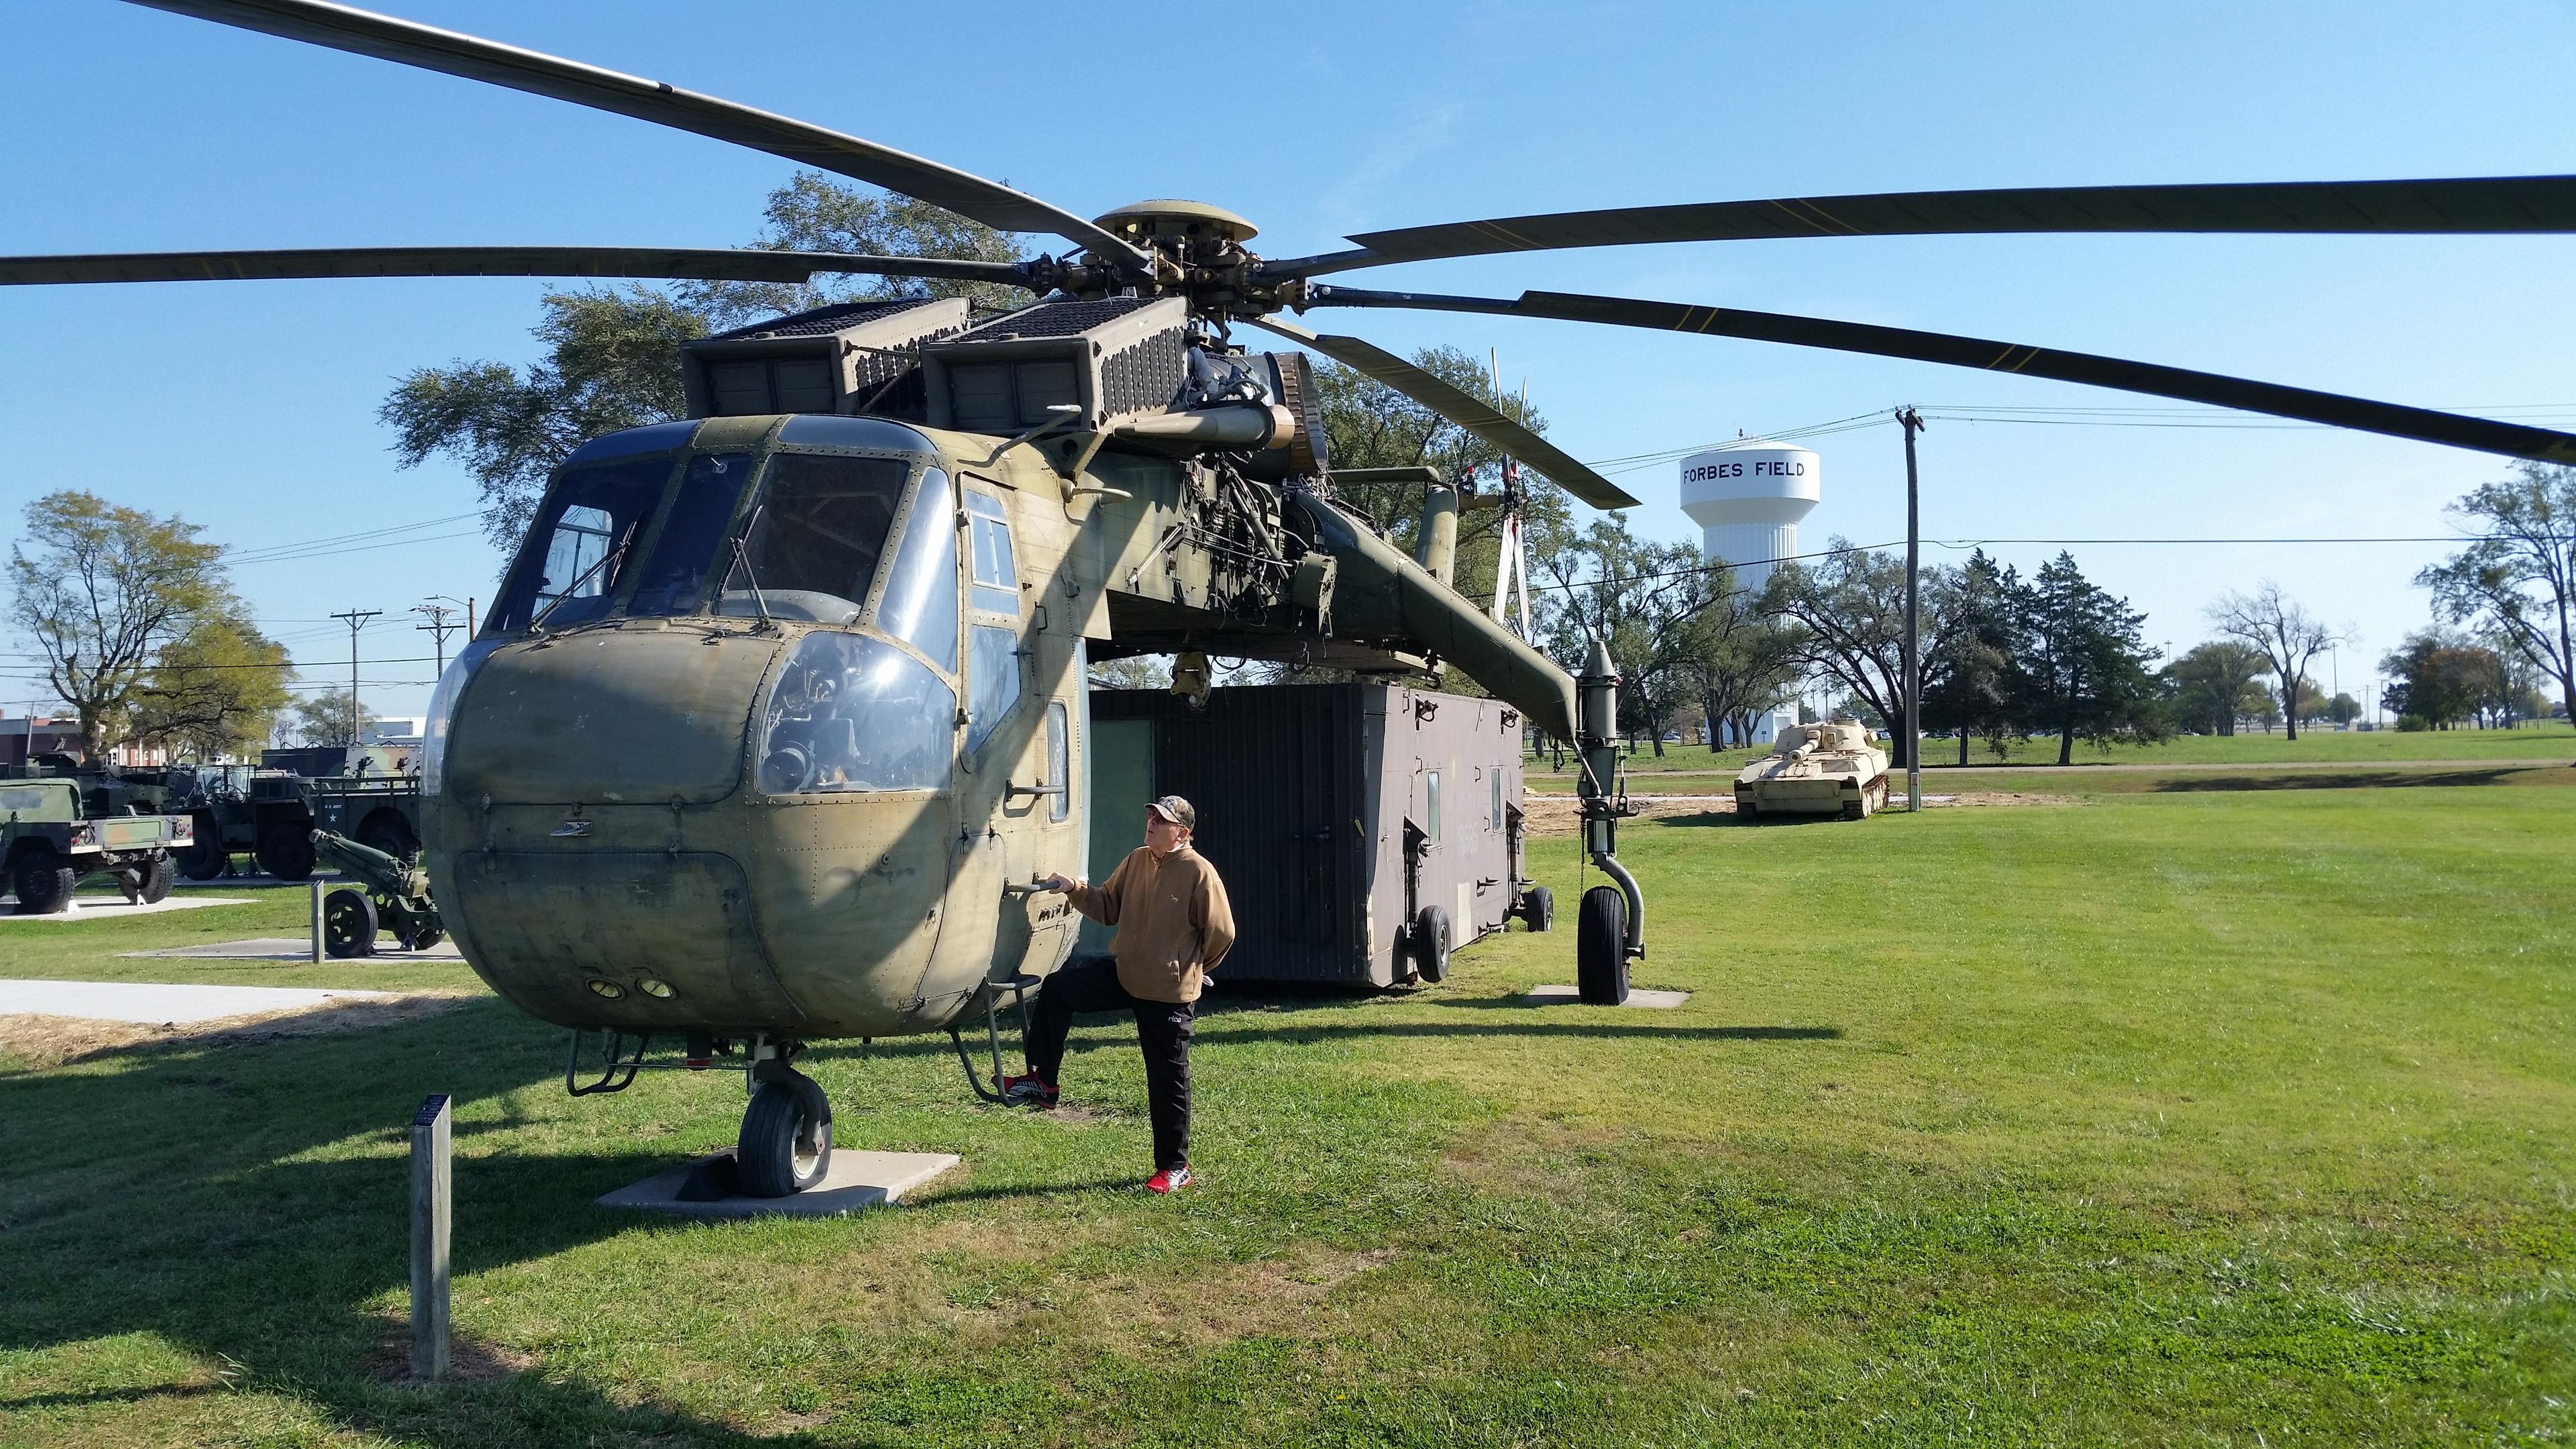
{"x":382,"y":871}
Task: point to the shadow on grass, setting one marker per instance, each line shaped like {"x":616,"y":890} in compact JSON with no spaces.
{"x":1326,"y":1031}
{"x":2348,"y":780}
{"x":219,"y":1232}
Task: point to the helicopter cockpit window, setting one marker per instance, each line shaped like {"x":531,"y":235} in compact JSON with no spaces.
{"x":992,"y":681}
{"x":676,"y":571}
{"x":578,"y":545}
{"x":816,"y":536}
{"x":852,"y":713}
{"x":919,"y":606}
{"x":996,"y":584}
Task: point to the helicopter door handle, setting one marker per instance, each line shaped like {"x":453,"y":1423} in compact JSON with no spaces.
{"x":1014,"y":888}
{"x":1039,"y":791}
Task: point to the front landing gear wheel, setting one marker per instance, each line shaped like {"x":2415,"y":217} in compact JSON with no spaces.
{"x":348,"y":924}
{"x":786,"y":1144}
{"x":1601,"y":947}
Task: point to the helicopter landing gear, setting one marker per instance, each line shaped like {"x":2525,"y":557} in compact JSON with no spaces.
{"x":786,"y":1141}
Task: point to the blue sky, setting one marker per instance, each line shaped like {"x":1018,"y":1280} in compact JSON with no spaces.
{"x":250,"y":407}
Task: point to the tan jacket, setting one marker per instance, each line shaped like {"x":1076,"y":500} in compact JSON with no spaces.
{"x":1174,"y":922}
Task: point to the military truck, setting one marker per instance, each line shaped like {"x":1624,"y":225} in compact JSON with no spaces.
{"x":51,"y":843}
{"x":271,"y":811}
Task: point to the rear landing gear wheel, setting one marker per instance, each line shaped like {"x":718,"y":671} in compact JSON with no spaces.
{"x":1601,"y":947}
{"x":786,"y":1143}
{"x":348,"y":924}
{"x":1538,"y":908}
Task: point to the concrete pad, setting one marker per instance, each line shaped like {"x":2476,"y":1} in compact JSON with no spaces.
{"x":296,"y":948}
{"x":1638,"y":996}
{"x":855,"y":1180}
{"x":101,"y":908}
{"x":146,"y":1002}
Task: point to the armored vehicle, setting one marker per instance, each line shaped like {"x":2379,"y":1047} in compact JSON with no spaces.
{"x":51,"y":843}
{"x":1818,"y":769}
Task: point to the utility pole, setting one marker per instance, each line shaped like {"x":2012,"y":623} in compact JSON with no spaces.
{"x":1912,"y":422}
{"x":439,"y":626}
{"x":356,"y":619}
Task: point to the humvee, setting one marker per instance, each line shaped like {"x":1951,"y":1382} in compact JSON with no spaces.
{"x":50,"y":844}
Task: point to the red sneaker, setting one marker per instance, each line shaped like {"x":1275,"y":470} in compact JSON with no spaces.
{"x":1028,"y":1091}
{"x":1170,"y":1180}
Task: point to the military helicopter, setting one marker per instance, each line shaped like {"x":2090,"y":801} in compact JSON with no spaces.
{"x":780,"y":708}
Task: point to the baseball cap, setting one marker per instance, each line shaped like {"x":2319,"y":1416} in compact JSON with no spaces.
{"x":1176,"y":810}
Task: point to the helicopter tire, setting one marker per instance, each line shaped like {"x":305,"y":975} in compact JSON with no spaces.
{"x":158,"y":877}
{"x":1538,"y":908}
{"x":286,"y":851}
{"x":205,"y":857}
{"x":44,"y":884}
{"x":1428,"y":943}
{"x":1601,"y":947}
{"x":348,"y":924}
{"x":786,"y":1143}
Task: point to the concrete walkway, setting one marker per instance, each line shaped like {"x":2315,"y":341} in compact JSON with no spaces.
{"x":108,"y":908}
{"x":146,"y":1002}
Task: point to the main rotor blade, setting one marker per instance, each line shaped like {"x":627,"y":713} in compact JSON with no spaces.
{"x":1463,"y":408}
{"x":2488,"y":204}
{"x":683,"y":263}
{"x":362,"y":32}
{"x":2512,"y":440}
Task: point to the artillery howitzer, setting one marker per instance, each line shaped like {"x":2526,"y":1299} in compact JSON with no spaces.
{"x":395,"y":897}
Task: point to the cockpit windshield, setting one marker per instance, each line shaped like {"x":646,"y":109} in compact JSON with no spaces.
{"x":580,"y":543}
{"x":676,"y":572}
{"x":815,"y":537}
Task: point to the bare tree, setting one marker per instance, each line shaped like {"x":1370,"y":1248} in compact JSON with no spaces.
{"x":2273,"y":622}
{"x":1850,"y":606}
{"x":2519,"y":580}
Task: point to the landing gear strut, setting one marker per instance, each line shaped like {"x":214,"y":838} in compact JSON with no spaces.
{"x":1610,"y":922}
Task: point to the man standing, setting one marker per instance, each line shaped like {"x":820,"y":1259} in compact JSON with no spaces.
{"x":1174,"y":926}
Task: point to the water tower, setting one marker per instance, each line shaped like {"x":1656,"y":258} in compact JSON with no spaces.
{"x":1747,"y":498}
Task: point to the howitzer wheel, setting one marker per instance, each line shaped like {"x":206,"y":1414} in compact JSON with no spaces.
{"x":786,"y":1143}
{"x":348,"y":924}
{"x":423,"y":939}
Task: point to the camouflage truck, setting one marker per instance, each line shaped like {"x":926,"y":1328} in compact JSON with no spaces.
{"x":51,"y":843}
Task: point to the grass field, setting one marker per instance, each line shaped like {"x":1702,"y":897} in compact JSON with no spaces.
{"x":2534,"y":741}
{"x":2201,"y":1118}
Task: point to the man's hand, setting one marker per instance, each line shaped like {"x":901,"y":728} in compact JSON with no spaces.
{"x":1058,"y":883}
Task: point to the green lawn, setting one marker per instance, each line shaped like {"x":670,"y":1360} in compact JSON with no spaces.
{"x":2534,"y":741}
{"x":2202,"y":1118}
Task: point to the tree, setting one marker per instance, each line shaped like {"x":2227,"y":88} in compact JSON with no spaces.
{"x":106,"y":589}
{"x":2343,"y":709}
{"x":2273,"y":622}
{"x":2214,"y":685}
{"x":613,"y":355}
{"x":1967,"y":673}
{"x":215,"y":690}
{"x":325,"y":717}
{"x":1850,"y":607}
{"x":2441,"y":678}
{"x":1650,"y":602}
{"x":2082,"y":662}
{"x":2518,"y":581}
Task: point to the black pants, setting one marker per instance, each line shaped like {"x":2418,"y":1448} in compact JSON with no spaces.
{"x":1163,"y":1029}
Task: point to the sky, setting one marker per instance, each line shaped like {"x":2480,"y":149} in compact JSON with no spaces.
{"x":250,"y":407}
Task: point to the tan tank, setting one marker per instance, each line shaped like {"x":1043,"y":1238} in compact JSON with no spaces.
{"x":1817,"y":769}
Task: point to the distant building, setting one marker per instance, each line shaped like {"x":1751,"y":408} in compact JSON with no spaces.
{"x":394,"y":731}
{"x":31,"y":735}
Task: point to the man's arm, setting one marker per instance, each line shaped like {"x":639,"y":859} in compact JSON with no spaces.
{"x":1213,"y":914}
{"x":1101,"y":902}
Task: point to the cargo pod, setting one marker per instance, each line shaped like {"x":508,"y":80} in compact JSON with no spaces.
{"x":1364,"y":831}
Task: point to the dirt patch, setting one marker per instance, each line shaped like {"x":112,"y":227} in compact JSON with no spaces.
{"x":470,"y":1360}
{"x":51,"y":1041}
